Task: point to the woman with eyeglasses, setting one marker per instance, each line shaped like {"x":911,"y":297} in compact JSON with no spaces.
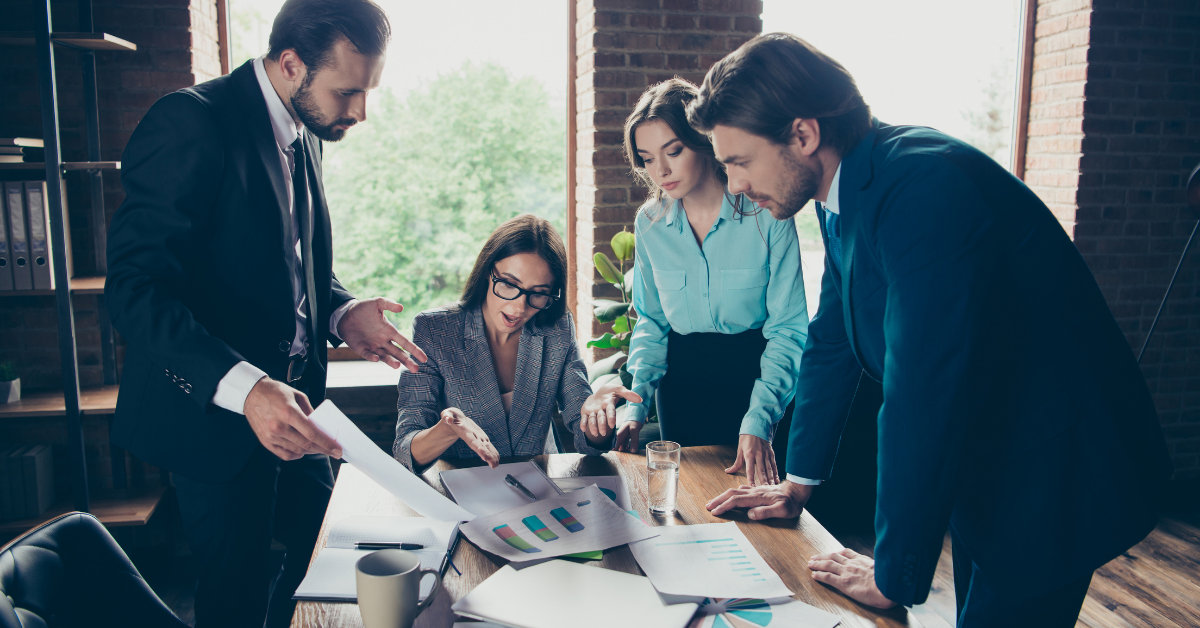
{"x":722,"y":318}
{"x":502,"y":361}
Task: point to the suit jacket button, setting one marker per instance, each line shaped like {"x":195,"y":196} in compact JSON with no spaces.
{"x":187,"y":388}
{"x":168,"y":372}
{"x":285,"y":346}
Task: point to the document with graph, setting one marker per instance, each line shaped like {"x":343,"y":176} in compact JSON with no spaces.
{"x":581,"y":521}
{"x":709,"y":559}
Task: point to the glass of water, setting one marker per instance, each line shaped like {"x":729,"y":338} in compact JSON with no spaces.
{"x":662,"y":463}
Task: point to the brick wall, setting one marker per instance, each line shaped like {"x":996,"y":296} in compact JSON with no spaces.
{"x":623,"y":47}
{"x":176,"y":47}
{"x":1118,"y":131}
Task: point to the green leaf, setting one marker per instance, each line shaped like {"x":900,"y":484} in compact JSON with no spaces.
{"x":610,"y":311}
{"x":622,"y":245}
{"x":620,"y":325}
{"x":607,"y":270}
{"x":604,"y":367}
{"x":603,"y":342}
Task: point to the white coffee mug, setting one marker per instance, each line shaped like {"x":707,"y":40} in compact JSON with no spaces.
{"x":389,"y":584}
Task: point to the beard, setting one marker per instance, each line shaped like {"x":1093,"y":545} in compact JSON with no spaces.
{"x":309,"y":113}
{"x":800,"y":184}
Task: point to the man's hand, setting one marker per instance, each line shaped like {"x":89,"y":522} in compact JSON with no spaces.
{"x":598,"y":416}
{"x":851,"y":573}
{"x":757,"y":456}
{"x":278,"y":414}
{"x":779,"y":501}
{"x":627,"y":436}
{"x":371,"y":335}
{"x":470,"y":433}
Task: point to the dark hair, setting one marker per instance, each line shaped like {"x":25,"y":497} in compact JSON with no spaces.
{"x":524,"y":234}
{"x":666,"y":101}
{"x":313,"y":27}
{"x":774,"y":79}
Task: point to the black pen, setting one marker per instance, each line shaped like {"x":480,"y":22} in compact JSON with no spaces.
{"x":379,"y":546}
{"x":515,"y":483}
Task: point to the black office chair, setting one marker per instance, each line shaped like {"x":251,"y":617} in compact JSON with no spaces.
{"x":69,"y":572}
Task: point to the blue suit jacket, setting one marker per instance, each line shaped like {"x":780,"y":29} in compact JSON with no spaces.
{"x":1013,"y":409}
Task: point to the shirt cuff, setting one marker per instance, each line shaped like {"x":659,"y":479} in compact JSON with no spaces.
{"x":233,"y":389}
{"x":795,"y":479}
{"x":337,"y":315}
{"x":756,"y":426}
{"x":633,"y":412}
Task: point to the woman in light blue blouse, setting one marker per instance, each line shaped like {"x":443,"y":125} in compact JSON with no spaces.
{"x":718,"y":292}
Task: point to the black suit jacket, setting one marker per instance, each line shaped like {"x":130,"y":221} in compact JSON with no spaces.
{"x":1013,"y":409}
{"x":198,"y":279}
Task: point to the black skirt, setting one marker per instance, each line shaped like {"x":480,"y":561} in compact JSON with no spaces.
{"x":705,"y":392}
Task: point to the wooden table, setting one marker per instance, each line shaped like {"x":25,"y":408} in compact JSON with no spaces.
{"x":786,"y":545}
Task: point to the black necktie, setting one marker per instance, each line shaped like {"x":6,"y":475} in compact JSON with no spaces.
{"x":304,"y":217}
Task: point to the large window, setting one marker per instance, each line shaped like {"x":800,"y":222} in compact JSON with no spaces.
{"x":946,"y":64}
{"x":466,"y":131}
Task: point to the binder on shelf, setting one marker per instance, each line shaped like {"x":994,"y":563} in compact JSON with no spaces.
{"x":16,"y":480}
{"x":29,"y":142}
{"x":14,"y":196}
{"x":39,"y":244}
{"x":37,"y":467}
{"x":6,"y":272}
{"x":7,"y":511}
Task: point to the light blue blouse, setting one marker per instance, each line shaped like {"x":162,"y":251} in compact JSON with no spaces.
{"x":746,"y":276}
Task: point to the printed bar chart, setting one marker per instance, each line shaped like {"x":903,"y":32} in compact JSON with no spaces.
{"x":512,"y":539}
{"x":536,"y":526}
{"x":567,"y":520}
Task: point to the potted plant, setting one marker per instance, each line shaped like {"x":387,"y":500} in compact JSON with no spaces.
{"x":10,"y":384}
{"x":620,"y":313}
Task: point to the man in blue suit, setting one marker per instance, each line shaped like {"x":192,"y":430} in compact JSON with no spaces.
{"x":1013,"y":413}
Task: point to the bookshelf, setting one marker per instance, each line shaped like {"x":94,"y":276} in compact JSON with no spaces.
{"x":121,"y":507}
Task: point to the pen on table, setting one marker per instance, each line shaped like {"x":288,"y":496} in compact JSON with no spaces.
{"x":377,"y":546}
{"x":515,"y":483}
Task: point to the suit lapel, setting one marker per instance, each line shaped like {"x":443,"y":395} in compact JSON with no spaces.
{"x":259,"y":128}
{"x":857,"y":172}
{"x":525,"y":383}
{"x":483,"y":374}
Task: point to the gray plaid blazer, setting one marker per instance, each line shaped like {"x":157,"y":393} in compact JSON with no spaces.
{"x":459,"y":374}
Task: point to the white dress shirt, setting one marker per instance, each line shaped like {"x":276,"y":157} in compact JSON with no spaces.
{"x":233,"y":389}
{"x":831,"y":204}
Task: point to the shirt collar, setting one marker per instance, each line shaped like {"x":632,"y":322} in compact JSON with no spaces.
{"x":282,"y":124}
{"x":676,"y":212}
{"x":831,"y":201}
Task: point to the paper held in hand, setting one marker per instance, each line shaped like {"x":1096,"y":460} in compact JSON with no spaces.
{"x":385,"y":470}
{"x":580,"y":521}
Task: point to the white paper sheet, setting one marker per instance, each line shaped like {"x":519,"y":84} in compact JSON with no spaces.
{"x":560,"y":593}
{"x":611,"y":485}
{"x":582,"y":521}
{"x":481,"y":490}
{"x":711,"y":559}
{"x":725,"y":612}
{"x":386,"y":471}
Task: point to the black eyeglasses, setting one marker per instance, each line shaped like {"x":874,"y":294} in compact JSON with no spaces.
{"x":509,"y":292}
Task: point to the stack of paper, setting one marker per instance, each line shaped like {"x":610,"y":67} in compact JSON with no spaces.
{"x":580,"y":521}
{"x":711,"y":560}
{"x":559,"y":593}
{"x":482,"y":490}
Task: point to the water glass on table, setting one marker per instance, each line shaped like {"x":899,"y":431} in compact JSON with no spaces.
{"x":662,"y":465}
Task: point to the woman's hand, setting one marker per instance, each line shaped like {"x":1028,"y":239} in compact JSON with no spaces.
{"x":627,"y":436}
{"x":598,"y":416}
{"x":471,"y":434}
{"x":756,"y":455}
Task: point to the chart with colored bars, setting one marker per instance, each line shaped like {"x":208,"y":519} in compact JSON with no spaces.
{"x":568,"y":520}
{"x":510,"y":537}
{"x":729,"y":553}
{"x":539,"y":529}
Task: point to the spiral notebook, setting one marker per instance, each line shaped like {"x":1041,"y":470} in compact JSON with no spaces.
{"x":331,"y":578}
